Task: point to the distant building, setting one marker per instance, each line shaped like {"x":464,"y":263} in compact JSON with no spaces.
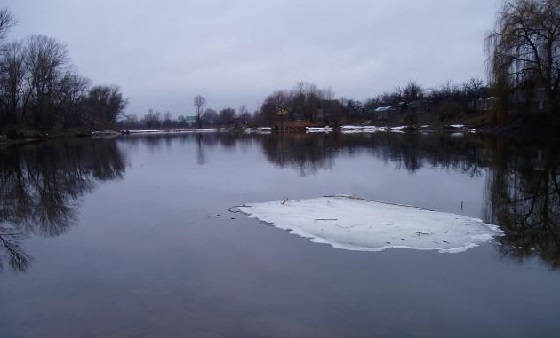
{"x":384,"y":113}
{"x":189,"y":120}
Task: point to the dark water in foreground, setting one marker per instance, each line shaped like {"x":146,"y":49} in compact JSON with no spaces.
{"x":131,"y":237}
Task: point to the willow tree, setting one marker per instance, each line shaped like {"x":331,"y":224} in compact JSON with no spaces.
{"x":524,"y":50}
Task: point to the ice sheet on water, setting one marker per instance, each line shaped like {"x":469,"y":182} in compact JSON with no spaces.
{"x":351,"y":223}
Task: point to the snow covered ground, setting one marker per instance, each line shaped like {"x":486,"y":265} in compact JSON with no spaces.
{"x":170,"y":131}
{"x":326,"y":129}
{"x":260,"y":130}
{"x":359,"y":129}
{"x":144,"y":131}
{"x":399,"y":129}
{"x":351,"y":223}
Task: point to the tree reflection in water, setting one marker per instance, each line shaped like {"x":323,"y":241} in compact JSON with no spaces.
{"x":309,"y":153}
{"x":524,"y":199}
{"x":40,"y":186}
{"x":523,"y":195}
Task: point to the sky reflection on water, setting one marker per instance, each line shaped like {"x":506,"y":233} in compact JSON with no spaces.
{"x":134,"y":233}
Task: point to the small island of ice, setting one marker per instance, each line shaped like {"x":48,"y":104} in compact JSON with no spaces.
{"x":355,"y":224}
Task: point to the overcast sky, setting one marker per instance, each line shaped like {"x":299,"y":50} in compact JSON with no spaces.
{"x":163,"y":53}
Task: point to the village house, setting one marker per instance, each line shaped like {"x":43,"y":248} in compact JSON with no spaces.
{"x":385,"y":113}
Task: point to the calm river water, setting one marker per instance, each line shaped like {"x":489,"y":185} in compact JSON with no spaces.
{"x":131,"y":237}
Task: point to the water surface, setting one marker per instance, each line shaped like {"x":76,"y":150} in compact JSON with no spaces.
{"x":131,"y":237}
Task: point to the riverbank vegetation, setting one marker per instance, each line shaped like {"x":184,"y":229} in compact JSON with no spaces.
{"x":40,"y":92}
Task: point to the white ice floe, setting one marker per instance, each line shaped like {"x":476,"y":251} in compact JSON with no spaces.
{"x":355,"y":224}
{"x":326,"y":129}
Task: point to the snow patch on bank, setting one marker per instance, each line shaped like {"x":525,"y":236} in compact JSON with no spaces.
{"x":351,"y":223}
{"x":359,"y":129}
{"x":171,"y":131}
{"x":325,"y":129}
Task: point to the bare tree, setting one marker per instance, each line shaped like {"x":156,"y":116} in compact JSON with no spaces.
{"x":227,"y":116}
{"x":210,"y":116}
{"x":7,"y":21}
{"x":104,"y":104}
{"x":36,"y":77}
{"x":11,"y":69}
{"x":412,"y":92}
{"x":45,"y":61}
{"x":167,"y":120}
{"x":473,"y":86}
{"x":524,"y":48}
{"x":72,"y":91}
{"x":152,"y":119}
{"x":12,"y":73}
{"x":244,"y":115}
{"x":199,"y":103}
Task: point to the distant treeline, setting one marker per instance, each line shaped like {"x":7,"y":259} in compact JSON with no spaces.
{"x":318,"y":106}
{"x":39,"y":89}
{"x":307,"y":102}
{"x":208,"y":118}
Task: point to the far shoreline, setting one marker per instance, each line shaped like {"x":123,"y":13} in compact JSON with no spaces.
{"x":531,"y":129}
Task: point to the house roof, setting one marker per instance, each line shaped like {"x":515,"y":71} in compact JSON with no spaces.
{"x":383,"y":109}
